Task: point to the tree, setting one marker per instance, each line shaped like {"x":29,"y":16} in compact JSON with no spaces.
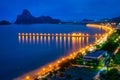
{"x":79,"y":79}
{"x":95,"y":63}
{"x":65,"y":64}
{"x":69,"y":76}
{"x":44,"y":79}
{"x":113,"y":74}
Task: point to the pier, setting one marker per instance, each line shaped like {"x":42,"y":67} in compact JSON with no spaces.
{"x":44,"y":70}
{"x":59,"y":34}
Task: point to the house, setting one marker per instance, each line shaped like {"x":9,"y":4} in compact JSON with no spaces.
{"x":99,"y":55}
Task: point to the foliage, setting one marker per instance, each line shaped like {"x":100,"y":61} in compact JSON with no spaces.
{"x":65,"y":64}
{"x":44,"y":79}
{"x":61,"y":75}
{"x":116,"y":58}
{"x":69,"y":76}
{"x":79,"y":79}
{"x":111,"y":45}
{"x":79,"y":60}
{"x":113,"y":74}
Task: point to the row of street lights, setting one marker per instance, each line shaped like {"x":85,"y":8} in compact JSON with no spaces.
{"x":55,"y":65}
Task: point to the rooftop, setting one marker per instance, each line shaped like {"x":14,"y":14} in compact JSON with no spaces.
{"x":95,"y":54}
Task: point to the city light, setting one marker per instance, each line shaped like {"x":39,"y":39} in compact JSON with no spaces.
{"x":90,"y":47}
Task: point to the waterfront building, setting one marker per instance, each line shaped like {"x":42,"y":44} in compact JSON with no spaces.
{"x":99,"y":55}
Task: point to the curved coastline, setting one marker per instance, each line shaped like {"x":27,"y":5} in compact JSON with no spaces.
{"x":54,"y":65}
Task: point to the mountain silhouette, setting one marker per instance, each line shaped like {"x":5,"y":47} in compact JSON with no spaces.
{"x":4,"y":22}
{"x":27,"y":18}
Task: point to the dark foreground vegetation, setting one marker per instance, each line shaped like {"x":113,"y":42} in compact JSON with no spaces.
{"x":113,"y":71}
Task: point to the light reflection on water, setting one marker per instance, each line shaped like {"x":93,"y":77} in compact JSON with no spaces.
{"x":56,"y":41}
{"x":59,"y":41}
{"x":26,"y":39}
{"x":21,"y":54}
{"x":48,"y":40}
{"x":87,"y":40}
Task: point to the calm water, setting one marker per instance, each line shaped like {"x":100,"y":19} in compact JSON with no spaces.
{"x":19,"y":55}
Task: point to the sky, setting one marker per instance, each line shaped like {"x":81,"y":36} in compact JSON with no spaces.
{"x":65,"y":10}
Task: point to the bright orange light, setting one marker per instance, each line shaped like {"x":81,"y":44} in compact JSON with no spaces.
{"x":58,"y":61}
{"x":45,"y":34}
{"x":87,"y":34}
{"x":64,"y":34}
{"x":43,"y":69}
{"x":56,"y":34}
{"x":63,"y":59}
{"x":83,"y":34}
{"x":79,"y":34}
{"x":50,"y":66}
{"x":60,"y":34}
{"x":27,"y":77}
{"x":74,"y":34}
{"x":72,"y":55}
{"x":68,"y":34}
{"x":48,"y":34}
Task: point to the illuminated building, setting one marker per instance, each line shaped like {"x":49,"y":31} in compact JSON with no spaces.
{"x":99,"y":55}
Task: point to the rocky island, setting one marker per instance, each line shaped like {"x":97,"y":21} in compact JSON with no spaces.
{"x":27,"y":18}
{"x":4,"y":22}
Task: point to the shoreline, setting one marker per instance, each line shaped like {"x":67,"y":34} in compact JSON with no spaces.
{"x":54,"y":65}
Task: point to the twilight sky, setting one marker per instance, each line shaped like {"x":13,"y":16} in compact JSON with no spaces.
{"x":62,"y":9}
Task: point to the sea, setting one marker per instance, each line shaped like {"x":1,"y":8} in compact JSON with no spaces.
{"x":22,"y":54}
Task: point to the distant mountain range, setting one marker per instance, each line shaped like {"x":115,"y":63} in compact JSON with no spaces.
{"x":27,"y":18}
